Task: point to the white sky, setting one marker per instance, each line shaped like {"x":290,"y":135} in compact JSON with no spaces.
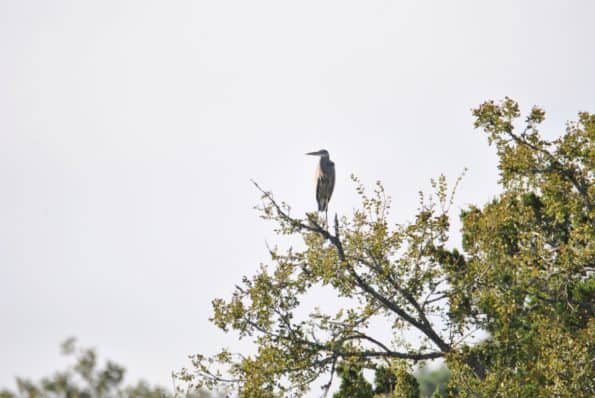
{"x":129,"y":131}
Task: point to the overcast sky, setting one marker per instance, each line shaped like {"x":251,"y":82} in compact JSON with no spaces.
{"x":129,"y":131}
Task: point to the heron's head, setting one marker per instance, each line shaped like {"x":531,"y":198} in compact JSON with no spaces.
{"x":322,"y":152}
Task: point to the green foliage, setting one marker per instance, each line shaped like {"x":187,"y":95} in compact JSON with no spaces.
{"x":86,"y":379}
{"x":407,"y":385}
{"x":433,"y":383}
{"x":389,"y":382}
{"x":353,"y":383}
{"x":523,"y":277}
{"x":385,"y":380}
{"x":529,"y":262}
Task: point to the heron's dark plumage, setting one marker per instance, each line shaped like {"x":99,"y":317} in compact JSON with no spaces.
{"x":325,"y":179}
{"x":325,"y":183}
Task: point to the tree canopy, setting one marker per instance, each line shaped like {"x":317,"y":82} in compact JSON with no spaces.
{"x":85,"y":378}
{"x":523,"y":277}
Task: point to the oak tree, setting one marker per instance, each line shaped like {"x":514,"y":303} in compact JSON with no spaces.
{"x":523,"y":277}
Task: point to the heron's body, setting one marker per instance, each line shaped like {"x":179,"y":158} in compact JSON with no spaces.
{"x":325,"y":179}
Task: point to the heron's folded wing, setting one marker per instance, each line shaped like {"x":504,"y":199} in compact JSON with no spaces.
{"x":331,"y":182}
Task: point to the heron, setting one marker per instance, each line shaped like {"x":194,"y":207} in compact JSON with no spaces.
{"x":325,"y":179}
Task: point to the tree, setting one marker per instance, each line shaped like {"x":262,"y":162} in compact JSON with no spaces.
{"x":524,"y":276}
{"x":433,"y":383}
{"x":527,"y":275}
{"x":385,"y":380}
{"x":85,"y":379}
{"x":353,"y":383}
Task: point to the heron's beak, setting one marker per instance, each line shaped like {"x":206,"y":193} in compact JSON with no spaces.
{"x":313,"y":153}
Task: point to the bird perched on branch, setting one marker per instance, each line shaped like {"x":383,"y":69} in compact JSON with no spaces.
{"x":325,"y":179}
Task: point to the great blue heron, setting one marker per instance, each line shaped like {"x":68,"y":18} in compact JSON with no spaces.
{"x":325,"y":179}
